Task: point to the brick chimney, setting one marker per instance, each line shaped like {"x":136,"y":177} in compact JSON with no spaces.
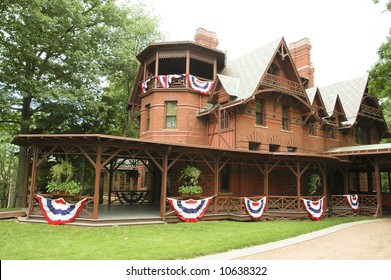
{"x":206,"y":38}
{"x":301,"y":54}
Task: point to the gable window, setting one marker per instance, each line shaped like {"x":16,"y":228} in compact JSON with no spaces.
{"x":285,"y":117}
{"x":254,"y":146}
{"x":274,"y":148}
{"x":259,"y":111}
{"x":225,"y":119}
{"x":363,"y":135}
{"x":171,"y":111}
{"x":311,"y":128}
{"x":332,"y":132}
{"x":148,"y":109}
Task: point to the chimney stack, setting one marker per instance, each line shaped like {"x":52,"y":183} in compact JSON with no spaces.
{"x":301,"y":55}
{"x":206,"y":38}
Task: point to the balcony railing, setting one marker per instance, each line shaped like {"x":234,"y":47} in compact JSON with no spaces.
{"x":371,"y":111}
{"x":283,"y":83}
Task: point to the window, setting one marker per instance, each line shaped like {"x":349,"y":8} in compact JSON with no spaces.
{"x":332,"y":132}
{"x":259,"y":112}
{"x":148,"y":109}
{"x":292,"y":149}
{"x":363,"y":135}
{"x":171,"y":108}
{"x":285,"y":117}
{"x":254,"y":146}
{"x":274,"y":148}
{"x":225,"y":119}
{"x":311,"y":127}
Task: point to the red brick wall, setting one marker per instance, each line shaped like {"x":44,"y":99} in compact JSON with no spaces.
{"x":190,"y":129}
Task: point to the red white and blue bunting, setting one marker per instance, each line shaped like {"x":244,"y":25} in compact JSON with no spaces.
{"x":144,"y":85}
{"x":190,"y":210}
{"x":314,"y":208}
{"x":58,"y":211}
{"x":255,"y":208}
{"x":166,"y":80}
{"x":202,"y":86}
{"x":352,"y":201}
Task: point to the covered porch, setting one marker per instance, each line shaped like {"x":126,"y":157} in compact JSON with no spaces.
{"x":227,"y":175}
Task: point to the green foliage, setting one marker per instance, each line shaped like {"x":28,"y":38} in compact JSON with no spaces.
{"x":314,"y":183}
{"x":8,"y":166}
{"x":189,"y":176}
{"x":61,"y":179}
{"x":148,"y":242}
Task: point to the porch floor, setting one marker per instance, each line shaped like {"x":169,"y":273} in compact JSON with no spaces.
{"x":110,"y":215}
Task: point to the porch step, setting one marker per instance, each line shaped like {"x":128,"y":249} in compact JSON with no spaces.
{"x":95,"y":223}
{"x":12,"y":214}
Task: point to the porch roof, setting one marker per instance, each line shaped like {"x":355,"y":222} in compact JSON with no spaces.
{"x":118,"y":141}
{"x":361,"y":150}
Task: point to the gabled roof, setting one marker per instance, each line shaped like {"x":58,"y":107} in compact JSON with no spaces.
{"x":243,"y":74}
{"x":314,"y":96}
{"x":350,"y":93}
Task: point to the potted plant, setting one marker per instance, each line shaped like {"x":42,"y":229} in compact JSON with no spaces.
{"x":62,"y":179}
{"x":189,"y":176}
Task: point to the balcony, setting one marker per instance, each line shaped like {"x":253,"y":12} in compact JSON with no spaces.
{"x":283,"y":83}
{"x":177,"y":81}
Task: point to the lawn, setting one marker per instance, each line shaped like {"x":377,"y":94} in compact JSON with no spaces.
{"x":24,"y":241}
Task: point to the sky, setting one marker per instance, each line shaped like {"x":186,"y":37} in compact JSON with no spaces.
{"x":345,"y":34}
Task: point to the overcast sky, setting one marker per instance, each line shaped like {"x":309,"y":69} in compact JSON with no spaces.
{"x":345,"y":34}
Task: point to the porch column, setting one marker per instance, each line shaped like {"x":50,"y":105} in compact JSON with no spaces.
{"x":33,"y":179}
{"x":346,"y":180}
{"x":266,"y":178}
{"x":298,"y":174}
{"x":163,"y":195}
{"x":324,"y":182}
{"x":187,"y":66}
{"x":379,"y":211}
{"x":98,"y":168}
{"x":156,"y":69}
{"x":217,"y":173}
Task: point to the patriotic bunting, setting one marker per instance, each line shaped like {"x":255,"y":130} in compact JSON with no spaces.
{"x":255,"y":208}
{"x":58,"y":211}
{"x":190,"y":210}
{"x":202,"y":86}
{"x":352,"y":201}
{"x":164,"y":81}
{"x":314,"y":208}
{"x":144,"y":85}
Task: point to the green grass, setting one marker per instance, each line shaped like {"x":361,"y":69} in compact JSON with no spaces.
{"x":23,"y":241}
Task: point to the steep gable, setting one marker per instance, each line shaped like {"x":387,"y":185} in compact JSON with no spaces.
{"x":350,"y":92}
{"x":248,"y":70}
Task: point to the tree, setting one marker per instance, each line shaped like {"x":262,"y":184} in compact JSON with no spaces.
{"x":56,"y":55}
{"x":380,"y":73}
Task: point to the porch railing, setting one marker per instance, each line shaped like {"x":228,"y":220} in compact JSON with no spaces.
{"x":283,"y":205}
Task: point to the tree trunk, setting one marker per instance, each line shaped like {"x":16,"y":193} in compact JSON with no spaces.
{"x":23,"y":152}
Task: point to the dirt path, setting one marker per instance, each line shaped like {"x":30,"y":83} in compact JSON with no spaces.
{"x":370,"y":241}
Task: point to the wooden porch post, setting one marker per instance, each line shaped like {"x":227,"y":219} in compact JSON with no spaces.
{"x":33,"y":179}
{"x":217,"y":173}
{"x":111,"y":173}
{"x":187,"y":66}
{"x":26,"y":184}
{"x":298,"y":166}
{"x":379,"y":212}
{"x":346,"y":180}
{"x":98,"y":168}
{"x":163,"y":195}
{"x":324,"y":182}
{"x":266,"y":178}
{"x":156,"y":69}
